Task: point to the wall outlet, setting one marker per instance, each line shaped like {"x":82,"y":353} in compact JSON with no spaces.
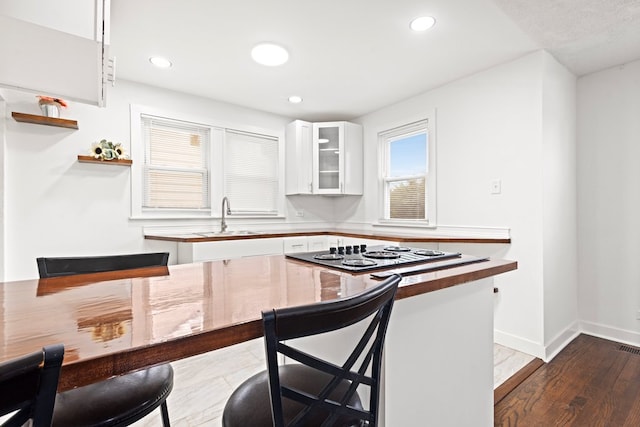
{"x":299,"y":213}
{"x":496,"y":186}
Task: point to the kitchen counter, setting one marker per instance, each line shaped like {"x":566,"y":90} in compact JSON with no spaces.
{"x":399,"y":237}
{"x":441,"y":331}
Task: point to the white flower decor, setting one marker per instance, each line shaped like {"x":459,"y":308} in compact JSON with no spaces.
{"x":107,"y":150}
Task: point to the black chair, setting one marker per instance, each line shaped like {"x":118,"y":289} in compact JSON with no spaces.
{"x":60,"y":266}
{"x":28,"y":385}
{"x":314,"y":392}
{"x":121,"y":400}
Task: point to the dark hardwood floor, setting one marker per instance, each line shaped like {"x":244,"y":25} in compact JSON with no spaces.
{"x":592,"y":382}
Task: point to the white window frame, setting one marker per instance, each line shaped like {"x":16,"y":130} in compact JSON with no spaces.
{"x":216,"y":157}
{"x":393,"y":132}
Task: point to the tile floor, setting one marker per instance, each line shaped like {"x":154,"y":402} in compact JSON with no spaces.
{"x":507,"y":362}
{"x":203,"y":383}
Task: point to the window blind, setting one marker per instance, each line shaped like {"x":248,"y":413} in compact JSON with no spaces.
{"x":407,"y":199}
{"x":251,"y":172}
{"x":176,"y":171}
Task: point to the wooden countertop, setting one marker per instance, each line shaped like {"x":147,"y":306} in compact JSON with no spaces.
{"x":112,"y":325}
{"x":393,"y":237}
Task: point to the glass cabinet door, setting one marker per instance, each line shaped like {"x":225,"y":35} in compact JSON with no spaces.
{"x":328,"y":156}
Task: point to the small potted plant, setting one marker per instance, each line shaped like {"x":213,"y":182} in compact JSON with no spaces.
{"x":107,"y":150}
{"x":50,"y":106}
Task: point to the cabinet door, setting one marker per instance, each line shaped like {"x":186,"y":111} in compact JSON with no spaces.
{"x":328,"y":157}
{"x":51,"y":62}
{"x":298,"y":158}
{"x":318,"y":243}
{"x":227,"y":249}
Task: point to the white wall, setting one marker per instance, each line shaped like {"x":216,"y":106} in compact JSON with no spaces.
{"x":559,"y":203}
{"x":492,"y":125}
{"x":609,"y":202}
{"x":56,"y":206}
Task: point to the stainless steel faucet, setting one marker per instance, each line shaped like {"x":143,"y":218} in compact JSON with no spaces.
{"x":223,"y":223}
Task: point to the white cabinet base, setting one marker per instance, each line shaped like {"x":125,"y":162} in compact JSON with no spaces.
{"x":439,"y":358}
{"x":227,"y":249}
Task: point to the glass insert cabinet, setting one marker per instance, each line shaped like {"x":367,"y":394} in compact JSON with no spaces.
{"x":328,"y":156}
{"x":334,"y":150}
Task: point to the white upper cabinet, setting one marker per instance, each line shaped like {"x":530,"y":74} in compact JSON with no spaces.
{"x":298,"y":158}
{"x":324,"y":158}
{"x":337,"y":158}
{"x":55,"y":48}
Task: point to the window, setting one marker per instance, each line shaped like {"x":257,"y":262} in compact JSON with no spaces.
{"x":408,"y":181}
{"x":176,"y":172}
{"x":183,"y":168}
{"x":251,"y":172}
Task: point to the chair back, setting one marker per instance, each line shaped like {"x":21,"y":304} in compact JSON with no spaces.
{"x":361,"y":367}
{"x":28,"y":385}
{"x":70,"y":266}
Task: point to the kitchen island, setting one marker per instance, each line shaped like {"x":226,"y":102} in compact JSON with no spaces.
{"x":439,"y":344}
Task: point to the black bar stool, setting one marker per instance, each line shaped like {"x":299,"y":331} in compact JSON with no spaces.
{"x":121,"y":400}
{"x":314,"y":392}
{"x":28,"y":385}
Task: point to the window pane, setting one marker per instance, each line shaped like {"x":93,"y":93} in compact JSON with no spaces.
{"x":176,"y":167}
{"x":408,"y":156}
{"x":175,"y":148}
{"x":407,"y":199}
{"x":251,"y":172}
{"x":173,"y":189}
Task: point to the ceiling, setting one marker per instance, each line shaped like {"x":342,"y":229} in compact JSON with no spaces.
{"x":352,"y":57}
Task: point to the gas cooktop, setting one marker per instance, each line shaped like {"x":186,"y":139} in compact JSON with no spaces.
{"x":359,"y":258}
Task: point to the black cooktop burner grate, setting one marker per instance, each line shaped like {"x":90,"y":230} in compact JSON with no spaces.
{"x":397,"y":248}
{"x":427,"y":252}
{"x":381,"y":255}
{"x":359,"y":262}
{"x":328,"y":257}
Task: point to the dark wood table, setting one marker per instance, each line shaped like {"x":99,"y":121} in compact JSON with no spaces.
{"x":113,"y":323}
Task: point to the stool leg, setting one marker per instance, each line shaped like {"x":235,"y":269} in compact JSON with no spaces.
{"x":165,"y":414}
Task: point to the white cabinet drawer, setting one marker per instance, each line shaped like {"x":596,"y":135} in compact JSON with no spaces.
{"x":292,"y":245}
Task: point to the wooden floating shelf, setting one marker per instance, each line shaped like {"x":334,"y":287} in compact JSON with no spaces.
{"x":89,"y":159}
{"x":44,"y":120}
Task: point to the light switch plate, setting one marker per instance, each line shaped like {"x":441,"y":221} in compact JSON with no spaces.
{"x":496,"y":186}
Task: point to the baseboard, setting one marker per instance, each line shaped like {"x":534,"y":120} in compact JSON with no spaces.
{"x":561,"y":341}
{"x":517,"y":343}
{"x":548,"y":352}
{"x":610,"y":333}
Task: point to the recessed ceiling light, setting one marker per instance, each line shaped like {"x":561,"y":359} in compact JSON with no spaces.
{"x":269,"y":54}
{"x":295,"y":99}
{"x":423,"y":23}
{"x":160,"y":62}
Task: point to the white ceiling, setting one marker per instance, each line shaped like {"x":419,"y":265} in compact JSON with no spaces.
{"x":351,"y":57}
